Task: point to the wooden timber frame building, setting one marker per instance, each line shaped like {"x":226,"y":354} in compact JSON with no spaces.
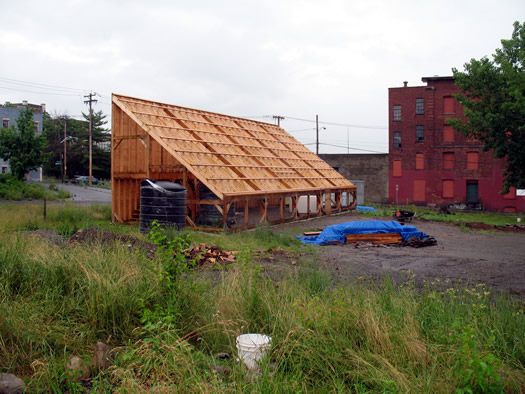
{"x":257,"y":168}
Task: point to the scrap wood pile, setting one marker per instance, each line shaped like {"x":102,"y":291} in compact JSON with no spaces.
{"x":204,"y":254}
{"x":418,"y":242}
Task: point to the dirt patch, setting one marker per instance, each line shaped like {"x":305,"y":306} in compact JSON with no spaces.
{"x":97,"y":235}
{"x":494,"y":258}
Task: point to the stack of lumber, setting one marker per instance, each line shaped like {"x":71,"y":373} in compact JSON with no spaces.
{"x":376,"y":238}
{"x":209,"y":254}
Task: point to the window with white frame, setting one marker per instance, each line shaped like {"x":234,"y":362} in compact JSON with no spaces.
{"x":420,"y":106}
{"x":397,"y":113}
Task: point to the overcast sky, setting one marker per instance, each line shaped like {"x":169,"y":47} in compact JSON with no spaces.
{"x":296,"y":59}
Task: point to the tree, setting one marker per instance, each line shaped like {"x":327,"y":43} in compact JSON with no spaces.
{"x":20,"y":145}
{"x":99,"y":134}
{"x":77,"y":146}
{"x":493,"y":97}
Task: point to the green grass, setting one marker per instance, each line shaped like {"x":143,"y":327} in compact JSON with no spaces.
{"x":491,"y":218}
{"x":57,"y":302}
{"x":65,"y":218}
{"x":494,"y":219}
{"x":16,"y":190}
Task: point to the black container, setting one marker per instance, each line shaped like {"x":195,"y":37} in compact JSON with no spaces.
{"x":208,"y":214}
{"x":164,"y":202}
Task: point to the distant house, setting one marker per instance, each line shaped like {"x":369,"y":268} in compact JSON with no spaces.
{"x":430,"y":163}
{"x":9,"y":113}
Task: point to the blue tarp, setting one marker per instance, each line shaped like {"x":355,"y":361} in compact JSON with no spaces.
{"x":362,"y":208}
{"x":337,"y":232}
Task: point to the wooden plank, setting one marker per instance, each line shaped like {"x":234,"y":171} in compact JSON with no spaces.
{"x":375,"y":238}
{"x":310,"y":233}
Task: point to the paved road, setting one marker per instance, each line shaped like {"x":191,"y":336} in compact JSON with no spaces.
{"x":80,"y":193}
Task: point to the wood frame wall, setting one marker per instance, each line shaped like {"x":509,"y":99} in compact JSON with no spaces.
{"x":137,"y":154}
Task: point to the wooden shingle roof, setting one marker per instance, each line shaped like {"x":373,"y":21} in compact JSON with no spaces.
{"x":232,"y":155}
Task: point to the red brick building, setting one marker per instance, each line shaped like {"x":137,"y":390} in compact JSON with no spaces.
{"x":430,"y":163}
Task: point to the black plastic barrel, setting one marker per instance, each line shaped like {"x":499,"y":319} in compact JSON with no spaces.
{"x":208,"y":214}
{"x":164,"y":202}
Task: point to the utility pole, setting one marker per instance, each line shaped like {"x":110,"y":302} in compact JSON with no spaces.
{"x":90,"y":101}
{"x":64,"y":174}
{"x":279,"y":118}
{"x":316,"y":134}
{"x":347,"y":141}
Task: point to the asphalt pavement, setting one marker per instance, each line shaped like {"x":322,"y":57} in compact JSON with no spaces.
{"x":83,"y":193}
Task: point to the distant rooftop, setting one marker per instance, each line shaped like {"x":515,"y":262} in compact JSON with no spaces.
{"x":437,"y":78}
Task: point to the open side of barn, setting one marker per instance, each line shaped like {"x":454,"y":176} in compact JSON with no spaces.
{"x":255,"y":172}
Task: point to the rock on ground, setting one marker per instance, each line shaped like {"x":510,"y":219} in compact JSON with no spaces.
{"x":10,"y":384}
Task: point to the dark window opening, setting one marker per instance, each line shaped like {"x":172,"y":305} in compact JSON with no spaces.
{"x":397,"y":139}
{"x":472,"y":191}
{"x":420,"y":133}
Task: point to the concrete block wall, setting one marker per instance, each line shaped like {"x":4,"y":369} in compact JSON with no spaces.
{"x":372,"y":169}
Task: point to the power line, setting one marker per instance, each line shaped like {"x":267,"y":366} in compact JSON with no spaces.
{"x":340,"y":124}
{"x":41,"y":85}
{"x":42,"y":93}
{"x":357,"y":126}
{"x":345,"y":147}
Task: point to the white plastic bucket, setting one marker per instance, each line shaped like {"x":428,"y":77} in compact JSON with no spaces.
{"x":252,"y":348}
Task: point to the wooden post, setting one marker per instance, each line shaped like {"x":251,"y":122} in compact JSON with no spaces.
{"x":148,"y":147}
{"x":45,"y":209}
{"x":328,"y":203}
{"x":246,"y":211}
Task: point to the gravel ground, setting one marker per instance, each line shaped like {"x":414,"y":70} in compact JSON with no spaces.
{"x":494,"y":258}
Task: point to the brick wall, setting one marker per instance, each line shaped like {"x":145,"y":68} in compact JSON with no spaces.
{"x":436,"y":180}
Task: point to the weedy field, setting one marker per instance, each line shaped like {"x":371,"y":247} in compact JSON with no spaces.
{"x":172,"y":327}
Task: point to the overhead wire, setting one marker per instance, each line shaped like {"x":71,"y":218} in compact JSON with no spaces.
{"x":37,"y":85}
{"x":357,"y":126}
{"x":42,"y":93}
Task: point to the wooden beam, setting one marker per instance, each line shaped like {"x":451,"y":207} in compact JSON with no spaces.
{"x":376,"y":238}
{"x":148,"y":161}
{"x":328,"y":203}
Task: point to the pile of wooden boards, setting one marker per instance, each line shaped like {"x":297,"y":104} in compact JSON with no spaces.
{"x":209,"y":254}
{"x":375,"y":238}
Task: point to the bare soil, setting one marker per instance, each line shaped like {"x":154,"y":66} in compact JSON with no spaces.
{"x":97,"y":235}
{"x":467,"y":256}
